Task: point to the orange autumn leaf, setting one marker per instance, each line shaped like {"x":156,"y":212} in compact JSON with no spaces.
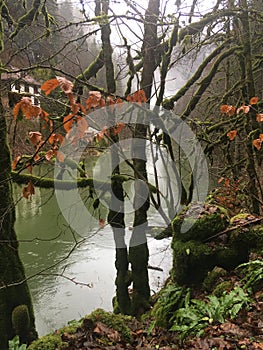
{"x":118,"y":128}
{"x":228,"y":109}
{"x":16,"y":109}
{"x":60,"y":156}
{"x":100,"y":135}
{"x":260,"y":117}
{"x":244,"y":109}
{"x":82,"y":126}
{"x":227,"y":182}
{"x":15,"y":162}
{"x":56,"y":138}
{"x":49,"y":154}
{"x":221,"y":179}
{"x":65,"y":85}
{"x":102,"y":223}
{"x":24,"y":105}
{"x":35,"y":137}
{"x":28,"y":190}
{"x":94,"y":100}
{"x":258,"y":142}
{"x":37,"y":157}
{"x":137,"y":96}
{"x":29,"y":168}
{"x":68,"y":122}
{"x":49,"y":85}
{"x":253,"y":100}
{"x":231,"y":134}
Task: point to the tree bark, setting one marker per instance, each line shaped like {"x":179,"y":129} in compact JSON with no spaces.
{"x":16,"y":308}
{"x":138,"y":252}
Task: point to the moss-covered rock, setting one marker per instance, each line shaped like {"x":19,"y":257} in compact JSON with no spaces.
{"x":21,"y":320}
{"x":116,"y":322}
{"x":229,"y":257}
{"x":212,"y":278}
{"x":221,"y":288}
{"x":202,"y":221}
{"x":48,"y":342}
{"x":191,"y":262}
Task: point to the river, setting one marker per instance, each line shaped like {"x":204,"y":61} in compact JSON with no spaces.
{"x":82,"y":277}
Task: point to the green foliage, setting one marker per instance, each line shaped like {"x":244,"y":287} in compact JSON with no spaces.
{"x":116,"y":322}
{"x":48,"y":342}
{"x":221,"y":288}
{"x":212,"y":278}
{"x":14,"y":344}
{"x":253,"y":273}
{"x":197,"y":314}
{"x":171,"y":298}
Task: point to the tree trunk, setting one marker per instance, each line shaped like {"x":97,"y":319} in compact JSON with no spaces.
{"x":16,"y":308}
{"x":138,"y":251}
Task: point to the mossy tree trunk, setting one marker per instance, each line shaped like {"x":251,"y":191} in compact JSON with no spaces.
{"x":249,"y":91}
{"x":13,"y":286}
{"x":116,"y":212}
{"x":138,"y":252}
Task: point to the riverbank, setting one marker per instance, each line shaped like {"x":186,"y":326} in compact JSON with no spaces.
{"x":104,"y":330}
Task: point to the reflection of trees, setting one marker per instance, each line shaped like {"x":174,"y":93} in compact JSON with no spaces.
{"x":152,"y":42}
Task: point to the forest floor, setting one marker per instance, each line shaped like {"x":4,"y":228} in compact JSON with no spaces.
{"x":243,"y":332}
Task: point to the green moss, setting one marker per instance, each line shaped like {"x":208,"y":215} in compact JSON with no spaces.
{"x":212,"y":278}
{"x":237,"y":218}
{"x":221,"y":288}
{"x":191,"y":262}
{"x":21,"y":320}
{"x":203,"y":221}
{"x":48,"y":342}
{"x":230,"y":257}
{"x":116,"y":322}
